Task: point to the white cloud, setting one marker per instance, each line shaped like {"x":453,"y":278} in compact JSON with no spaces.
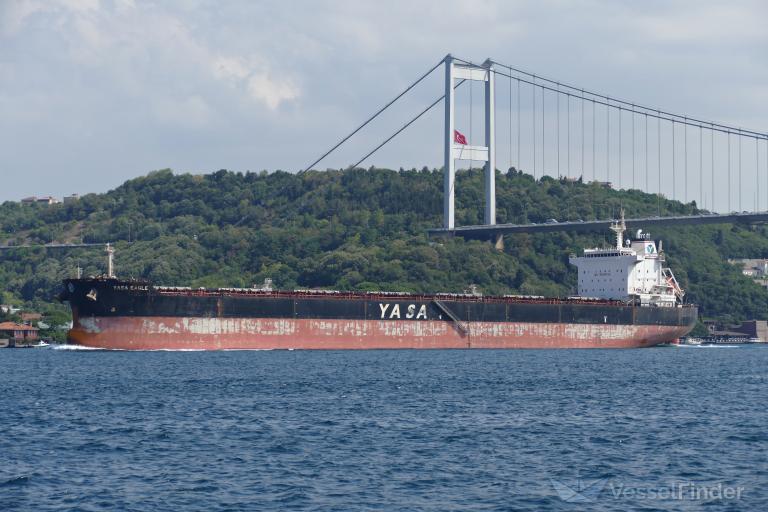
{"x":255,"y":79}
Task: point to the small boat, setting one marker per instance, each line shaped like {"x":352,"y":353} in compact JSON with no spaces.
{"x":41,"y":344}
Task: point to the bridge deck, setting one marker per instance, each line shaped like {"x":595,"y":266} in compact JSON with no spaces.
{"x":489,"y":231}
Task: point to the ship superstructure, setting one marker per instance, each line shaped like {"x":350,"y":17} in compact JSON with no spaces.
{"x":631,"y":270}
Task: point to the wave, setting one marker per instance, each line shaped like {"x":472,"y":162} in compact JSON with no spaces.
{"x":67,"y":346}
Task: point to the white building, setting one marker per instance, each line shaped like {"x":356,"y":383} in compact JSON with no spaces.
{"x":632,"y":270}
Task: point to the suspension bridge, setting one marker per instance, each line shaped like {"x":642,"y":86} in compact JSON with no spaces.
{"x":556,"y":129}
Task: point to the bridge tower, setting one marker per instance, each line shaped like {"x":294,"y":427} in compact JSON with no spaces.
{"x":485,"y":73}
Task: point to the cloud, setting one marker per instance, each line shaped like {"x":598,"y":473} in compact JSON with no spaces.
{"x":255,"y":79}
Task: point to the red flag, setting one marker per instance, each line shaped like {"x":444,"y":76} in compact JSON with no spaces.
{"x":459,"y":138}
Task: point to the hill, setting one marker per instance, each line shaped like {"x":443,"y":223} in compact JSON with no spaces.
{"x":356,"y":229}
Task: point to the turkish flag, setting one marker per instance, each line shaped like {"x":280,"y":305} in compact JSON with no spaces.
{"x":459,"y":138}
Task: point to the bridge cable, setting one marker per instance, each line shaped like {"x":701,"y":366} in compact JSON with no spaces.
{"x":608,"y":143}
{"x":647,"y":187}
{"x":674,"y":177}
{"x":685,"y":165}
{"x":581,"y":171}
{"x":543,"y":137}
{"x":568,"y":150}
{"x":533,"y":117}
{"x":519,"y":156}
{"x":633,"y":150}
{"x":757,"y":175}
{"x":374,"y":116}
{"x":658,"y":153}
{"x":712,"y":164}
{"x":701,"y":168}
{"x":594,"y":132}
{"x":678,"y":117}
{"x":510,"y":123}
{"x":620,"y":141}
{"x":653,"y":112}
{"x":406,"y":125}
{"x":558,"y":136}
{"x":729,"y":173}
{"x":740,"y":182}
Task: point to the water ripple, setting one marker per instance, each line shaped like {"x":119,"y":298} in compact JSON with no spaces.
{"x":381,"y":430}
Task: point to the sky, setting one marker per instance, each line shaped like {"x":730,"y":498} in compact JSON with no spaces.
{"x":96,"y":92}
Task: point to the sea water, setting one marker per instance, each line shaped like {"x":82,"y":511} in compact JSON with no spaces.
{"x":659,"y":429}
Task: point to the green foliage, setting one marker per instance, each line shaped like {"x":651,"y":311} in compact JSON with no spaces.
{"x":356,"y":229}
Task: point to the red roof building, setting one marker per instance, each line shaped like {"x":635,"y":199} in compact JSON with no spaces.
{"x":17,"y":331}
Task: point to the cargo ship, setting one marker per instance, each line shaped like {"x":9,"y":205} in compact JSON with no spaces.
{"x":627,"y":298}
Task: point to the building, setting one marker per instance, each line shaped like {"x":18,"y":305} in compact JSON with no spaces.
{"x":31,"y":317}
{"x":12,"y":334}
{"x":748,"y":328}
{"x":40,"y":200}
{"x":71,"y":199}
{"x":757,"y":269}
{"x":9,"y":309}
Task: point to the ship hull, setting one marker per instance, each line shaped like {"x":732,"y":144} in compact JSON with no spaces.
{"x":174,"y":333}
{"x":125,"y":315}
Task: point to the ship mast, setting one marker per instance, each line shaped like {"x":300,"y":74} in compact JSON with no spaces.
{"x":110,"y":260}
{"x":618,"y":228}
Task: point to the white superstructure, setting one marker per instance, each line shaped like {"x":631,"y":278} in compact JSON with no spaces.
{"x":631,"y":270}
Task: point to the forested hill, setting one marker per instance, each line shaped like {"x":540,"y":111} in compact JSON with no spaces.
{"x":356,"y":229}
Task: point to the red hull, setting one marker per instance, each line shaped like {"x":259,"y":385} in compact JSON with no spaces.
{"x":180,"y":333}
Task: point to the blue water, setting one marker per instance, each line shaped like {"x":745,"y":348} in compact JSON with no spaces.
{"x":383,"y":430}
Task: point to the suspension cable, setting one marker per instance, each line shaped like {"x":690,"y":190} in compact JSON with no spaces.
{"x":558,"y":136}
{"x":581,"y":171}
{"x":594,"y":138}
{"x":740,"y":182}
{"x":608,"y":144}
{"x":674,"y":179}
{"x":658,"y":154}
{"x":519,"y":157}
{"x":568,"y":151}
{"x":633,"y":150}
{"x":729,"y":173}
{"x":712,"y":165}
{"x":653,"y":112}
{"x":701,"y":168}
{"x":620,"y":149}
{"x":510,"y":123}
{"x":647,"y":189}
{"x":685,"y":165}
{"x":533,"y":118}
{"x":623,"y":102}
{"x":543,"y":138}
{"x":374,"y":116}
{"x":406,"y":125}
